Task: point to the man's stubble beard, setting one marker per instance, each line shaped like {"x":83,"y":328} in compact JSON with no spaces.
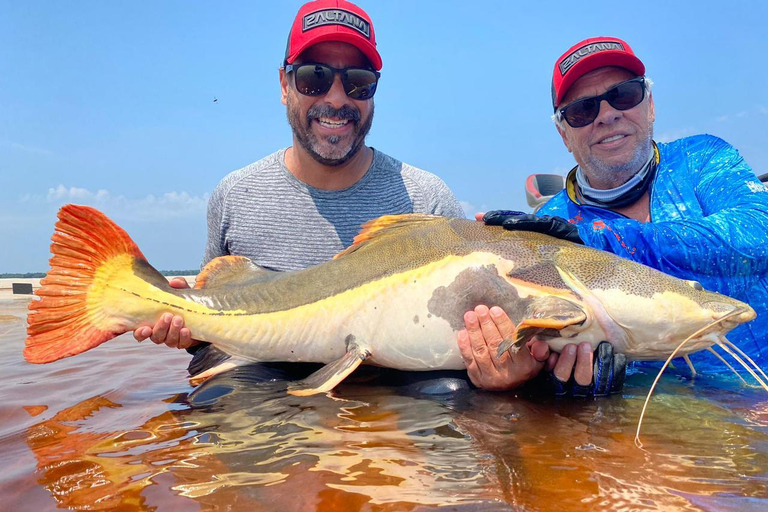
{"x":336,"y":154}
{"x":617,"y":175}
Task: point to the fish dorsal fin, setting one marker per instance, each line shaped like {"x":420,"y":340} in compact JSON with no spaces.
{"x":386,"y":224}
{"x":229,"y":270}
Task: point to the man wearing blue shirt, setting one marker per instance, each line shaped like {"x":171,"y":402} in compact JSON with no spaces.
{"x":691,"y":208}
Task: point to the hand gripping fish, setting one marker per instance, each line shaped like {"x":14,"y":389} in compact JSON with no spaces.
{"x":395,"y":298}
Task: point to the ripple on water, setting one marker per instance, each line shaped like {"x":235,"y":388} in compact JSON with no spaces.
{"x":115,"y":428}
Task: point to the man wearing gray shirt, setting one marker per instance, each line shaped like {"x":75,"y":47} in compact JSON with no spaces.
{"x":302,"y":205}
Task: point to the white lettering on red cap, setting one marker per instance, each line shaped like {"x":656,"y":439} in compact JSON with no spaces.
{"x":336,"y":17}
{"x":578,"y":54}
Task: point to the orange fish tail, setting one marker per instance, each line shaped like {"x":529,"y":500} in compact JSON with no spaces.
{"x":89,"y":252}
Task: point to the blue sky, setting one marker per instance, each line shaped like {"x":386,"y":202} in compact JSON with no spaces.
{"x":111,"y":103}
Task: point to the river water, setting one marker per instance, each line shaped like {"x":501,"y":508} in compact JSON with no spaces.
{"x":118,"y":428}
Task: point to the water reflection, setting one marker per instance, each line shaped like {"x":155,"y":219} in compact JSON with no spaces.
{"x":236,"y":444}
{"x":114,"y":429}
{"x":367,"y":446}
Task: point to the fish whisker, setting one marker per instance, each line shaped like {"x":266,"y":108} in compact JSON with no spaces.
{"x":726,"y":363}
{"x":690,"y":365}
{"x":744,"y":364}
{"x":733,"y":313}
{"x":745,"y":356}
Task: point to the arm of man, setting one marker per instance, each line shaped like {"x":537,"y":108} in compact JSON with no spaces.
{"x":731,"y":239}
{"x":428,"y":193}
{"x":544,"y":224}
{"x":443,"y":202}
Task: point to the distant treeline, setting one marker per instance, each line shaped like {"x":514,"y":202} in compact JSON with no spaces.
{"x":39,"y":275}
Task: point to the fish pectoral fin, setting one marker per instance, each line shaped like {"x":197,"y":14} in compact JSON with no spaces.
{"x":523,"y":334}
{"x":330,"y":375}
{"x":547,"y":313}
{"x":222,"y":367}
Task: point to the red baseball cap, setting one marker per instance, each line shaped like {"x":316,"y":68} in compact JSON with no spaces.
{"x":332,"y":20}
{"x":588,"y":55}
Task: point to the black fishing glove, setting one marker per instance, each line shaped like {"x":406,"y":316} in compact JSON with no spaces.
{"x":544,"y":224}
{"x":608,"y":373}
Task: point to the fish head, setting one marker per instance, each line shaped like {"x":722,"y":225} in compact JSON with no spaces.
{"x":727,"y":314}
{"x":643,"y":312}
{"x":677,"y":310}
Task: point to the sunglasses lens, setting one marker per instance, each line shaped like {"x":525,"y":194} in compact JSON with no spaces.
{"x":313,"y":79}
{"x":360,"y":84}
{"x":626,"y":96}
{"x":581,"y":113}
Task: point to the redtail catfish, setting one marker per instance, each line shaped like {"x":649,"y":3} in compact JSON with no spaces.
{"x":395,"y":298}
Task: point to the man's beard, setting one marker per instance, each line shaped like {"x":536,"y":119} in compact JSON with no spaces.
{"x":333,"y":150}
{"x":617,"y":175}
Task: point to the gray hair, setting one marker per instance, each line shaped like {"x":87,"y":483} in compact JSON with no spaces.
{"x":557,"y":117}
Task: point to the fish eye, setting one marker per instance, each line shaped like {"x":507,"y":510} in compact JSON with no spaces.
{"x":696,"y":285}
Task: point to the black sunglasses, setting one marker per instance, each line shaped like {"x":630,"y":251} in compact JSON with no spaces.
{"x":313,"y":79}
{"x":623,"y":96}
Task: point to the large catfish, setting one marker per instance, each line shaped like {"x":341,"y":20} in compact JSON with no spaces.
{"x":395,"y":298}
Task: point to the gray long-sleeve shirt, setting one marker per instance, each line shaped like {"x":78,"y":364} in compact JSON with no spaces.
{"x":265,"y":213}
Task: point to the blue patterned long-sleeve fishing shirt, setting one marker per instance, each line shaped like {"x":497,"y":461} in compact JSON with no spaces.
{"x":709,"y":223}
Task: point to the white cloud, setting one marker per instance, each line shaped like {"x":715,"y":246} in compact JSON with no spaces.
{"x":758,"y":110}
{"x":73,"y":193}
{"x":669,"y":136}
{"x":150,"y":208}
{"x":737,"y":117}
{"x":27,"y":148}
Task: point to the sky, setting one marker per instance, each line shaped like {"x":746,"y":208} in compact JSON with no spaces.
{"x":111,"y":104}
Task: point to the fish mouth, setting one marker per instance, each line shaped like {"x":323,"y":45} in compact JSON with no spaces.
{"x":747,"y":315}
{"x":727,"y":317}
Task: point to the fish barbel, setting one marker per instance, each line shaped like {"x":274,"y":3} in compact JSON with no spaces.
{"x":395,"y":298}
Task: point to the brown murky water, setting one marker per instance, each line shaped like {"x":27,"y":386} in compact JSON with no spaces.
{"x":118,"y":428}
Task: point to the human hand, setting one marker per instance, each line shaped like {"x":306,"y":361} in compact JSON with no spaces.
{"x":479,"y":342}
{"x":544,"y":224}
{"x":169,"y":330}
{"x":574,"y":373}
